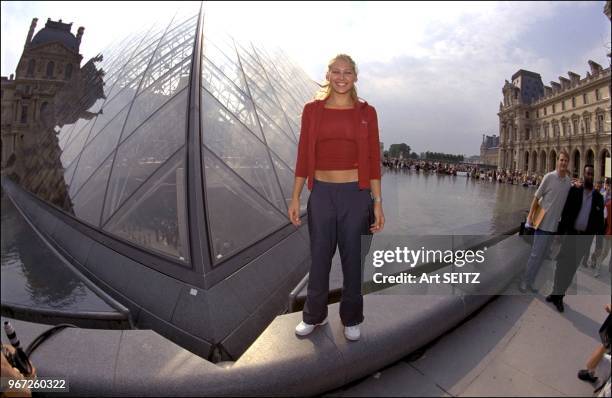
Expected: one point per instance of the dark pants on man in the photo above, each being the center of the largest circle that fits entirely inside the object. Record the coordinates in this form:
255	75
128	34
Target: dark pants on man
574	248
338	215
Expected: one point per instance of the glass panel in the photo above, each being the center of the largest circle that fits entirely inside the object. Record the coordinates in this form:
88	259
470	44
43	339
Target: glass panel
95	152
87	204
76	145
295	126
155	217
278	142
239	149
123	98
286	178
281	86
69	173
109	114
294	78
235	100
133	71
146	150
265	102
175	48
225	60
64	134
237	215
158	94
252	68
76	128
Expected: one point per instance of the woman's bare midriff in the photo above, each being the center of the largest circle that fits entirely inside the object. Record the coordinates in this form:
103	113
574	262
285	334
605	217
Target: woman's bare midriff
337	175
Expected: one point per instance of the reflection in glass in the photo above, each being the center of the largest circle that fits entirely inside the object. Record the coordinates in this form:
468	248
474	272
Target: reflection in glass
96	151
155	216
134	69
32	275
264	101
286	178
112	145
64	133
176	47
234	99
76	145
237	215
87	203
146	150
231	141
277	140
156	95
40	165
227	65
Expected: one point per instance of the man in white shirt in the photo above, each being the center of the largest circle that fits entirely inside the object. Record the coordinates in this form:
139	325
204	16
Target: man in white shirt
550	197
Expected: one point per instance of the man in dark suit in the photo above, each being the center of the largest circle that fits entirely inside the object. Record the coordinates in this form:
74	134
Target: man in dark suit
582	218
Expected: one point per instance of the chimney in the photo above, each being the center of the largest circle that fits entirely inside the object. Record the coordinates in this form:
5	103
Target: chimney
30	32
595	68
12	76
547	90
79	36
565	83
574	77
483	138
555	87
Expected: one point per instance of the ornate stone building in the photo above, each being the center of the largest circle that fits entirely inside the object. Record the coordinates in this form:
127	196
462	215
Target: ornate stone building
537	121
49	60
49	89
489	150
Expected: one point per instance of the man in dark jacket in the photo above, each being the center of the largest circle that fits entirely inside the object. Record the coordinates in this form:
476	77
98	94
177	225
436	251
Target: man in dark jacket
582	218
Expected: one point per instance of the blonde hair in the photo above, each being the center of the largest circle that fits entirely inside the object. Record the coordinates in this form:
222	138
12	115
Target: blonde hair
325	91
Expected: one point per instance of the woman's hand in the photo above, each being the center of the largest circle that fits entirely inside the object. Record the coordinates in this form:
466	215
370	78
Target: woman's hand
294	212
379	222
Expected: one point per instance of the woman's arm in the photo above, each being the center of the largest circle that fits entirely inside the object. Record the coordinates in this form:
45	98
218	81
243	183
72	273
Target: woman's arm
375	175
294	207
379	222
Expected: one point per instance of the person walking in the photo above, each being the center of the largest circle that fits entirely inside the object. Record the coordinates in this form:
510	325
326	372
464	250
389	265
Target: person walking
339	155
582	218
588	374
544	216
603	245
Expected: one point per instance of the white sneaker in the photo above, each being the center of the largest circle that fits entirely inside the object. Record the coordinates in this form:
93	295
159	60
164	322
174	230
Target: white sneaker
352	332
304	329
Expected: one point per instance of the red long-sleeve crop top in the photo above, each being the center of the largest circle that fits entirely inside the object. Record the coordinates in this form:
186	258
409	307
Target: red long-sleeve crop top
336	147
365	132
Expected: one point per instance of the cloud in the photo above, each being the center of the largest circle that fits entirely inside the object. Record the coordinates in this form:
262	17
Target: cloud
433	70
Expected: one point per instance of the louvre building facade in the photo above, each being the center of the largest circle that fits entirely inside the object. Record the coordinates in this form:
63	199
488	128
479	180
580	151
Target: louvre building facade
163	169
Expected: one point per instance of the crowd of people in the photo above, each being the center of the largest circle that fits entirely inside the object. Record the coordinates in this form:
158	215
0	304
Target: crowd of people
471	171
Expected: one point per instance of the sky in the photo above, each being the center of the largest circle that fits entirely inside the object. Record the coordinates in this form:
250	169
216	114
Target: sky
433	70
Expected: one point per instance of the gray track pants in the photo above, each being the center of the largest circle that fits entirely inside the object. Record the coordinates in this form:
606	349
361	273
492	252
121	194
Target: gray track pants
338	214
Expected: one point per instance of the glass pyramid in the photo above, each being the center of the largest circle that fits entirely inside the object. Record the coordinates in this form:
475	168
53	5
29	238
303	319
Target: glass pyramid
125	156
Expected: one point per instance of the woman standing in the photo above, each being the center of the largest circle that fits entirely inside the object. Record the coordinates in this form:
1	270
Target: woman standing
339	155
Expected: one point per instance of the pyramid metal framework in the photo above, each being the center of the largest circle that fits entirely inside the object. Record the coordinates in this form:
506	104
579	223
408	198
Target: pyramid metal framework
191	154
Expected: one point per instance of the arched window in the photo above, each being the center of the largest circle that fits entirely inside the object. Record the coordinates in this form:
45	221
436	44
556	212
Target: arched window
31	66
50	68
68	72
600	123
